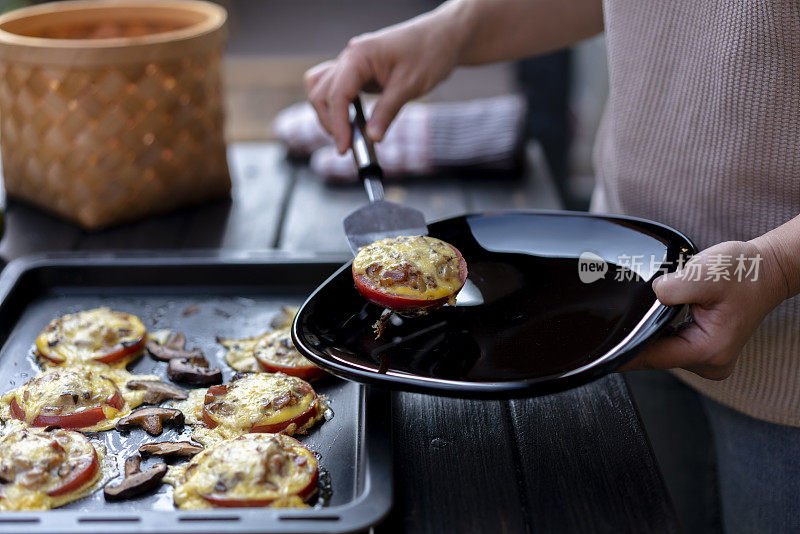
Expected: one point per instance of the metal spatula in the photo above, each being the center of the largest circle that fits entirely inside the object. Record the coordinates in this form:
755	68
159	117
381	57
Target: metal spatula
379	219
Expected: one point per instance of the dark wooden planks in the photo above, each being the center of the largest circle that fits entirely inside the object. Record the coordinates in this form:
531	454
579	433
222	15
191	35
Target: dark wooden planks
159	232
29	230
262	179
437	197
315	210
454	467
586	463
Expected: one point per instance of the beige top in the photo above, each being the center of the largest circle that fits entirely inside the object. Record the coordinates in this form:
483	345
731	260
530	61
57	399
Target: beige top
702	132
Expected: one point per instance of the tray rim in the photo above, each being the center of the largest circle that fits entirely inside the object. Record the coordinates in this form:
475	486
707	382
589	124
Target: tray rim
369	507
659	315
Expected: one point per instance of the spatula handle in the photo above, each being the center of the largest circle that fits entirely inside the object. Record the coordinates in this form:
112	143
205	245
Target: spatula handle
369	170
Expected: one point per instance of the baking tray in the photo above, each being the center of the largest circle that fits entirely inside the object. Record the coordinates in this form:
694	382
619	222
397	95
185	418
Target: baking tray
236	295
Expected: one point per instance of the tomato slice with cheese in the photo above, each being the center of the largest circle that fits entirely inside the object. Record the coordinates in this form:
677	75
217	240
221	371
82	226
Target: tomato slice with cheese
276	353
262	402
83	467
42	469
409	273
98	335
253	470
76	398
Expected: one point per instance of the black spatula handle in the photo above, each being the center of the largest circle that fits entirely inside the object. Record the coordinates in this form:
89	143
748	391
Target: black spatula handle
369	170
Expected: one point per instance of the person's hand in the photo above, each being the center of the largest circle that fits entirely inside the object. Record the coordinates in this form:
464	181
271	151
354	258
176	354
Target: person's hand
402	62
725	311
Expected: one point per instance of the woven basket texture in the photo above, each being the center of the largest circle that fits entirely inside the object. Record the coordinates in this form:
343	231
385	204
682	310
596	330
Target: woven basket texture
103	144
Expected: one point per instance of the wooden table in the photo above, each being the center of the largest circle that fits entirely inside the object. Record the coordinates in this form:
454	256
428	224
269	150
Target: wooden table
577	461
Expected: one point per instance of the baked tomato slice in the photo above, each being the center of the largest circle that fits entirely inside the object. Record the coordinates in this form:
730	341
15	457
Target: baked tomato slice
100	335
409	273
81	419
298	420
276	353
84	469
84	418
275	468
223	501
122	350
274	400
212	395
306	372
47	462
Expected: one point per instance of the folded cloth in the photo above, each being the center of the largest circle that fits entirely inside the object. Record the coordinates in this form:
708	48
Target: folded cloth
424	138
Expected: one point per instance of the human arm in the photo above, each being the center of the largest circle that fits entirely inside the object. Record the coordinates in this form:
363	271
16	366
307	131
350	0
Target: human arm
407	60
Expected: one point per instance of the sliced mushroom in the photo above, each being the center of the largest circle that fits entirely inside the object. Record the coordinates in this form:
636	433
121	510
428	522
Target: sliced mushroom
182	449
157	391
133	464
194	371
176	341
174	347
151	419
135	481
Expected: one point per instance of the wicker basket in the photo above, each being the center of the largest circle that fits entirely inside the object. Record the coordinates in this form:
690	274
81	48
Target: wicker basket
111	110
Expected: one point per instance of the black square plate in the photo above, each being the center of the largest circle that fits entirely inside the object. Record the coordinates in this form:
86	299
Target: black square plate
553	300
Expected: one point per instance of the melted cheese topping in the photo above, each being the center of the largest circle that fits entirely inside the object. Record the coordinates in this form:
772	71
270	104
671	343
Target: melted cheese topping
253	400
64	391
419	267
192	407
273	469
278	348
34	462
240	355
85	336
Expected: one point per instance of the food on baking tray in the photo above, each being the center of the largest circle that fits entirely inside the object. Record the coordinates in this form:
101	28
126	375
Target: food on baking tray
273	352
240	352
276	353
98	335
246	457
172	346
156	391
84	397
152	419
170	449
42	469
256	402
409	272
193	371
253	470
135	481
185	366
